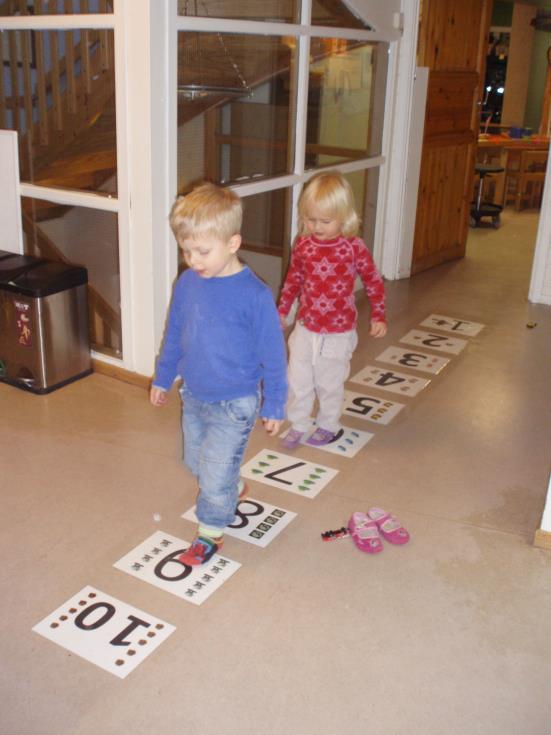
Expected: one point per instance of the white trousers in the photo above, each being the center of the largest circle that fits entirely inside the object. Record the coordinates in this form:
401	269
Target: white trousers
319	365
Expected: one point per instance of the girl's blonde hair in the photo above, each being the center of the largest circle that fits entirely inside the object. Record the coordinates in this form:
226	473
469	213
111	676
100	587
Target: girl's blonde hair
332	194
207	210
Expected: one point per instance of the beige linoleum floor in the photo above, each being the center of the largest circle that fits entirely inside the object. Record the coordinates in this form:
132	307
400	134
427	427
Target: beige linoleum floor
448	635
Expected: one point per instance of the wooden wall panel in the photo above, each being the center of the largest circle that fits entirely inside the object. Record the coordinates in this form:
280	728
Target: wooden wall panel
446	38
452	43
451	95
440	221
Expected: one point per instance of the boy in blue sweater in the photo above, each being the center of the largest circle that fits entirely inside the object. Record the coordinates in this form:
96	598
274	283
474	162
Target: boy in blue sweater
223	338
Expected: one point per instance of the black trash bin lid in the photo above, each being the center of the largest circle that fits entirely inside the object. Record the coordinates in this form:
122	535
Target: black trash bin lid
12	265
47	278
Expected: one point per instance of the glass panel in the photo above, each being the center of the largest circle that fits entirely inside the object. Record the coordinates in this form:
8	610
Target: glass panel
365	185
275	11
235	107
55	7
59	94
345	101
336	14
85	237
266	227
494	83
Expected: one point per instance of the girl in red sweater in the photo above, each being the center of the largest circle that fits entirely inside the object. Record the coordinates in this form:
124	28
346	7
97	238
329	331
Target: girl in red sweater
325	260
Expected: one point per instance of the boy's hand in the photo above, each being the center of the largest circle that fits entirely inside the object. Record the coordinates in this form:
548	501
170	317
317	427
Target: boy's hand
272	426
378	329
158	396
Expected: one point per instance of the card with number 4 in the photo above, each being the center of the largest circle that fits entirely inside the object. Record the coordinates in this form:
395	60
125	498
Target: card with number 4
406	385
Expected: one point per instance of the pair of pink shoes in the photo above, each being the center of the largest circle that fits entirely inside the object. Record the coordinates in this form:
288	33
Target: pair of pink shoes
366	530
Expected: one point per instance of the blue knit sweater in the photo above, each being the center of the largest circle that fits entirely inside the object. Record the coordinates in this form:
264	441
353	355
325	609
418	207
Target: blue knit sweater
223	337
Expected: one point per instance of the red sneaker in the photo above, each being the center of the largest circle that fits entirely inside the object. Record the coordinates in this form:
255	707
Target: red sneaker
201	550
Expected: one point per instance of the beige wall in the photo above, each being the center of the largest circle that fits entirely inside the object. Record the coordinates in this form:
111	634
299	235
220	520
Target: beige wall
518	65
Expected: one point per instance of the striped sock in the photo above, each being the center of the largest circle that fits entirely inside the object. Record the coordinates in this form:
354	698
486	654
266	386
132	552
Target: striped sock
215	534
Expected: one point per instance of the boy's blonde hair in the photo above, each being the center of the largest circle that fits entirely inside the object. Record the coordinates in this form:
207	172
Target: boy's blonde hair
208	210
332	194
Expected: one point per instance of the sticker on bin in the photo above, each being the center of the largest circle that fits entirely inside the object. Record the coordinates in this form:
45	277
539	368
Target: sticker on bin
23	323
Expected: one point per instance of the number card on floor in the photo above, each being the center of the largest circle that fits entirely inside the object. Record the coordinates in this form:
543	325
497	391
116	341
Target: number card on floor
155	561
421	361
436	342
449	324
370	408
390	380
288	473
346	443
105	631
256	522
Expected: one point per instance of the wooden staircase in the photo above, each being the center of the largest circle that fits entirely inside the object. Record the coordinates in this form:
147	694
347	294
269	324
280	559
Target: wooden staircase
64	112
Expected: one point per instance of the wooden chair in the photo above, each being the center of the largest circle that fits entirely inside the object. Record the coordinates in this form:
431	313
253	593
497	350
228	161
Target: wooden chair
531	178
512	176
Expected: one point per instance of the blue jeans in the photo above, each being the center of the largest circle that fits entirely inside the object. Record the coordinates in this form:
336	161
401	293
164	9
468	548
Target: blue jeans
215	439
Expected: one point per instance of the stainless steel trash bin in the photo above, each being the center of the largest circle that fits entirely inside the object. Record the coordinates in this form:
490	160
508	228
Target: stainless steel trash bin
43	323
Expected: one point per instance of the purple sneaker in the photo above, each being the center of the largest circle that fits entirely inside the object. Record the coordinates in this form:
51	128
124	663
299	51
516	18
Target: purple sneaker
292	439
320	437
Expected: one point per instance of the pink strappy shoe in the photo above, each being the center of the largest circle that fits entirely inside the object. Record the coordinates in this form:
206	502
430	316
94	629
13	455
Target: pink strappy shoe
365	533
390	527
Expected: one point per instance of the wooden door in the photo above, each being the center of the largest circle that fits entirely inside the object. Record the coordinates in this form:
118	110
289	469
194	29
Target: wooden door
452	44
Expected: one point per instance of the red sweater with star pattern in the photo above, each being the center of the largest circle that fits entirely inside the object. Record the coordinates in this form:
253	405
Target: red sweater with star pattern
322	274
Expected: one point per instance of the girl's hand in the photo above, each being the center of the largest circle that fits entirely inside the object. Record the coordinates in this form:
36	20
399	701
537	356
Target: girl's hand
283	322
378	329
272	426
158	396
